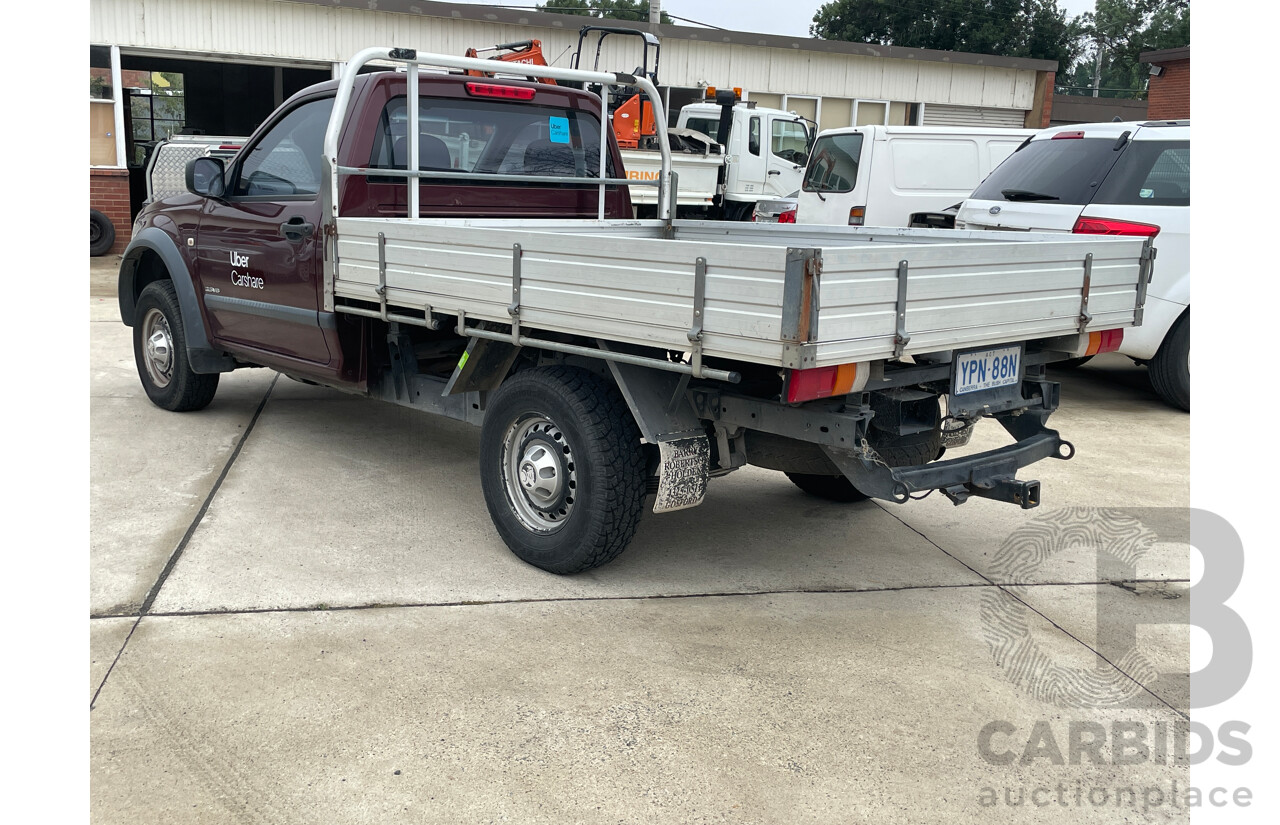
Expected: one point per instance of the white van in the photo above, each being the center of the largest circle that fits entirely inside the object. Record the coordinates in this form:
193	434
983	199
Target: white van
899	175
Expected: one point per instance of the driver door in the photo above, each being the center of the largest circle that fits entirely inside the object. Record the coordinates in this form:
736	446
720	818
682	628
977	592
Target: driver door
259	249
788	153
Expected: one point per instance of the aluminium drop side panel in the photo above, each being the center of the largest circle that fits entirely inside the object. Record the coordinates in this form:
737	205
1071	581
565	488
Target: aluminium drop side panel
621	281
698	176
632	289
967	295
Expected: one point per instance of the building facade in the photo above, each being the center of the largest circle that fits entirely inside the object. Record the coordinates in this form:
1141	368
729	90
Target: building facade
221	66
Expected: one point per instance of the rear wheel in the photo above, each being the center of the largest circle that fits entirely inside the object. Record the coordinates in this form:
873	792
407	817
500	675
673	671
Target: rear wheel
903	451
1170	369
562	468
160	352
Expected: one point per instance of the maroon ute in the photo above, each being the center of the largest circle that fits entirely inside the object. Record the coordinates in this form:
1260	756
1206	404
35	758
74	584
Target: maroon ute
192	321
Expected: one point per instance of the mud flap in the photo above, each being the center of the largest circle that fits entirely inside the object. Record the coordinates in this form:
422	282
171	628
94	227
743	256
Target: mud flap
683	474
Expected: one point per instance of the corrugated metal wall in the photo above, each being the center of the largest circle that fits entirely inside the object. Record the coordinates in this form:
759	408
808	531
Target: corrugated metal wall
256	30
942	115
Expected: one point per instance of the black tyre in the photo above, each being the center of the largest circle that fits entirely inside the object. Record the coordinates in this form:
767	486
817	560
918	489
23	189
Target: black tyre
906	451
562	468
160	351
1170	370
102	233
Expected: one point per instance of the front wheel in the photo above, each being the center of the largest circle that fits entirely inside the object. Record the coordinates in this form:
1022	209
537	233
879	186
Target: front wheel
160	351
562	468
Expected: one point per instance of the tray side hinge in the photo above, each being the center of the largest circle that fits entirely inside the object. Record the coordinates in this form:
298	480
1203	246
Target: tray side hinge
900	336
1145	271
1085	317
699	307
382	274
513	309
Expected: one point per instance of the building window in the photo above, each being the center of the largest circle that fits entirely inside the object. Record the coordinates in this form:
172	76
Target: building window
102	114
157	109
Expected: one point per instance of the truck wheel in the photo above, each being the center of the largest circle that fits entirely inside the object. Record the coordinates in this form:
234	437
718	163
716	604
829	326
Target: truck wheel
102	234
562	468
160	350
906	451
1170	370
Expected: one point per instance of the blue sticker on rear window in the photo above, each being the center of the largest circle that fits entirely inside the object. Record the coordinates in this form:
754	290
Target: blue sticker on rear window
559	129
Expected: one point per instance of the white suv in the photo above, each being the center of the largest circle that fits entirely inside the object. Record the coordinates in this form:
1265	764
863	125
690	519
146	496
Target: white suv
1110	179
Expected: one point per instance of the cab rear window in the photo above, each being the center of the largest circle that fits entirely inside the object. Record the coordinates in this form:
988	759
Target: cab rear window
492	137
1051	171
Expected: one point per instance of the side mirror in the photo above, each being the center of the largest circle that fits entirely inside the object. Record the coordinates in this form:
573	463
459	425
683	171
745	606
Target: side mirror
205	177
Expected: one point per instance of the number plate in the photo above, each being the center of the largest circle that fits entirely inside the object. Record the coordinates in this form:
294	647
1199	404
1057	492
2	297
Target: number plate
986	369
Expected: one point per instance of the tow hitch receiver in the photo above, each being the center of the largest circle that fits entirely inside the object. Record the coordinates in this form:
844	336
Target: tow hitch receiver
1026	494
992	474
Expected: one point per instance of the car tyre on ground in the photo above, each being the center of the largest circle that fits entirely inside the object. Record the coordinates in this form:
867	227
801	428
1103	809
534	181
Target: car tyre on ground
160	351
102	234
904	451
1170	369
562	468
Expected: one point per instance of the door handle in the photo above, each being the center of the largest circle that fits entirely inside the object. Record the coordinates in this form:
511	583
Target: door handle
775	172
297	229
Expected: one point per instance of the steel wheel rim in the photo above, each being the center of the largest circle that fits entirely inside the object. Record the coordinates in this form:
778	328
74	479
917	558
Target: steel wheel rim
157	345
538	473
95	231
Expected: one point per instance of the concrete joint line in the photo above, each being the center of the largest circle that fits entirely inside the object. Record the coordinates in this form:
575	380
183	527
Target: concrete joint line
186	537
810	591
1005	587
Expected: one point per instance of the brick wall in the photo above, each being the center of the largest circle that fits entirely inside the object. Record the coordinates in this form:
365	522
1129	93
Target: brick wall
109	194
1046	100
1169	95
1041	110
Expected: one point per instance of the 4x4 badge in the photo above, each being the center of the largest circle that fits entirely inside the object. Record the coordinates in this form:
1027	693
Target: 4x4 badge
995	210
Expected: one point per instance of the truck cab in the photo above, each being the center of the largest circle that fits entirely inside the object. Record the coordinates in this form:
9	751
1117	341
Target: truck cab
247	259
766	150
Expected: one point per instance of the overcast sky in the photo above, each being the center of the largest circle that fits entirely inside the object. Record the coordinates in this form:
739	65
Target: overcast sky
772	16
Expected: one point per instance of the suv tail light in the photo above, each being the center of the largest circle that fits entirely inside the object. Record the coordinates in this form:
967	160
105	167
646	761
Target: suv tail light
857	215
497	90
788	216
1107	226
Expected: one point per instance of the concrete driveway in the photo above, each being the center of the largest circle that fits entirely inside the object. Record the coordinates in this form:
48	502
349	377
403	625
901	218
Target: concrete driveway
300	612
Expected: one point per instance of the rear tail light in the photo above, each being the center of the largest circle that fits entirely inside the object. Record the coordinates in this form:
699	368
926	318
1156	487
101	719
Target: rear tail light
1106	341
497	90
230	146
1067	136
857	215
788	216
1107	226
825	382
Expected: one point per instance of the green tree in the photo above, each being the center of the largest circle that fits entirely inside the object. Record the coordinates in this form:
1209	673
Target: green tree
1012	28
634	10
1116	33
